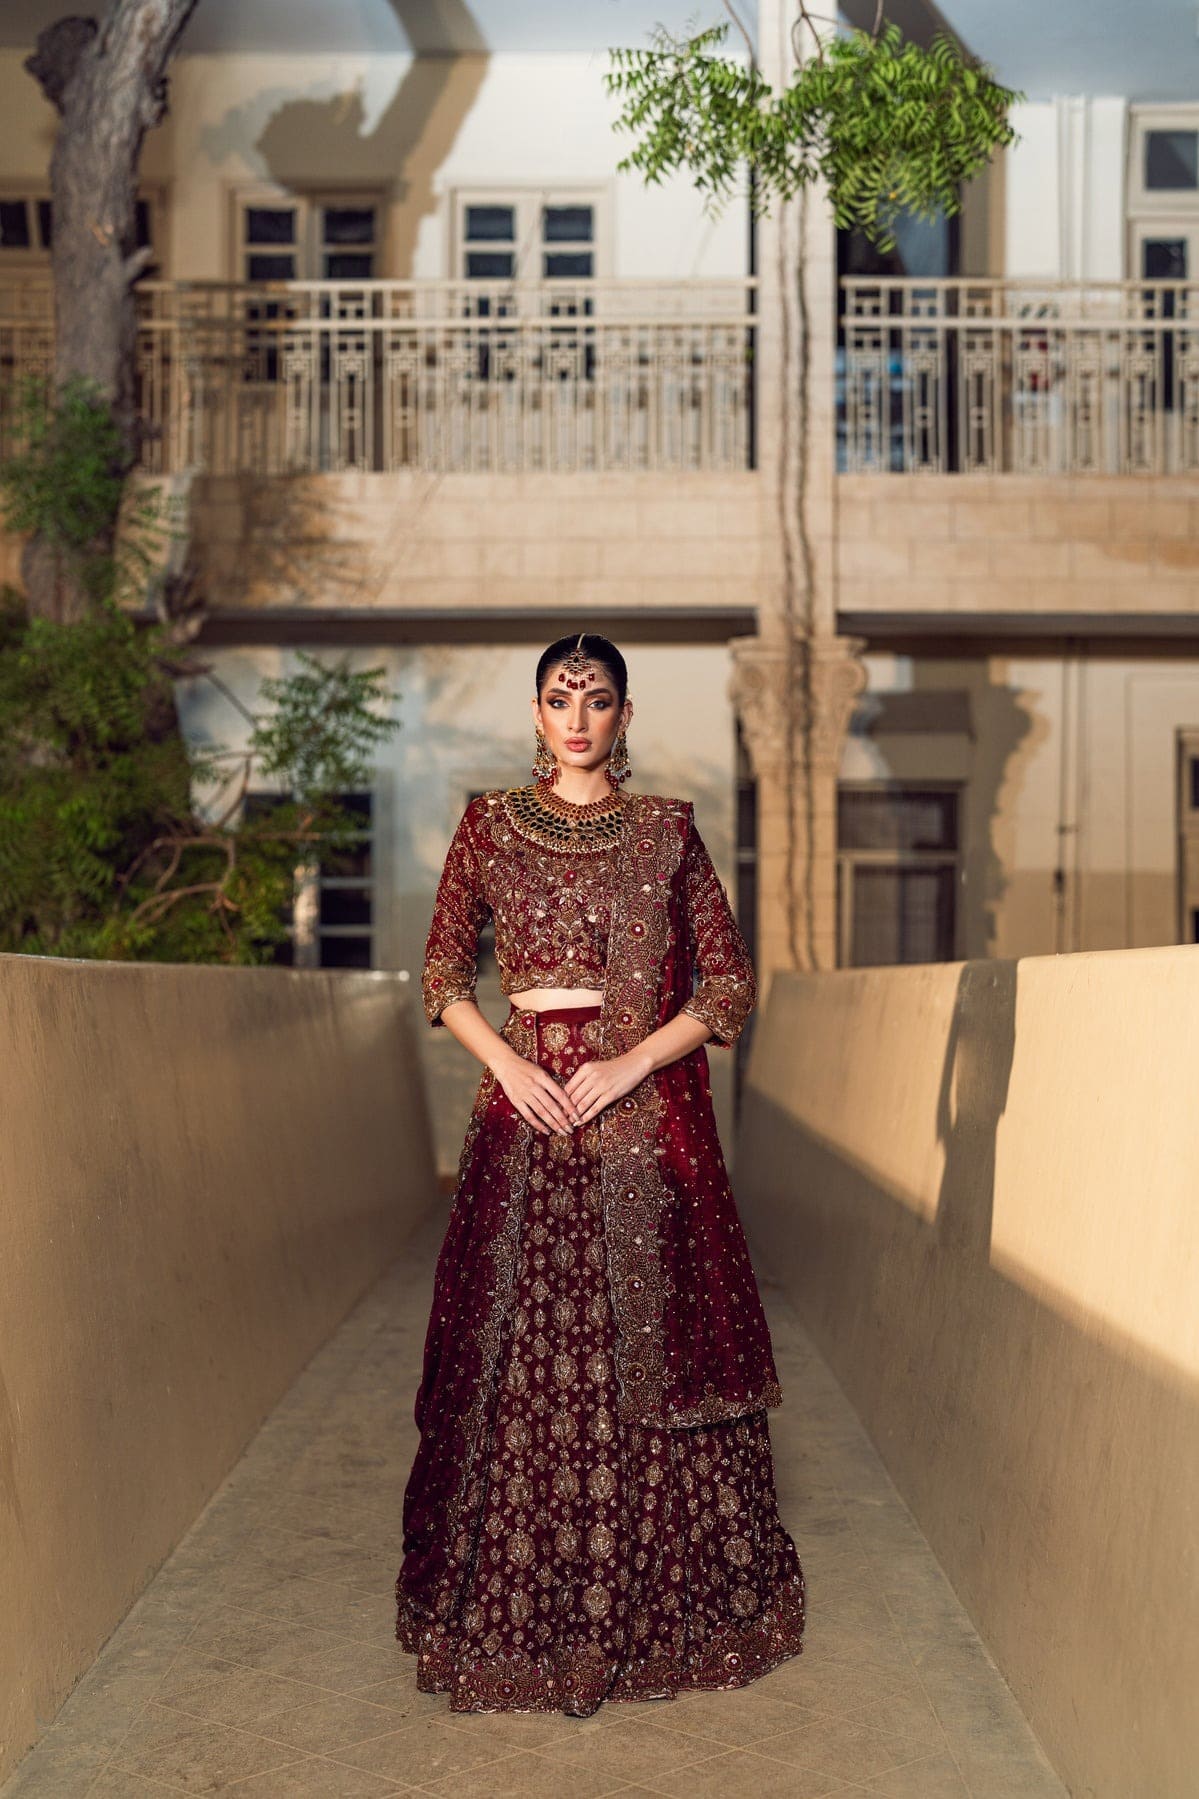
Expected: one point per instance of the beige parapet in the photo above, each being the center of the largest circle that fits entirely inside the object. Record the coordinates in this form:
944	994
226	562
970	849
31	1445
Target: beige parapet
980	1183
201	1170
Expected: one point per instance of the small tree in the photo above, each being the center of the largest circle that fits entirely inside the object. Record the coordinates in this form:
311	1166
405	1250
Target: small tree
103	849
884	127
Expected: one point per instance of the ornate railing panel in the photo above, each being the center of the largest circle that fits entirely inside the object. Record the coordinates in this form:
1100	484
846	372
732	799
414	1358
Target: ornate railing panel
1024	377
301	377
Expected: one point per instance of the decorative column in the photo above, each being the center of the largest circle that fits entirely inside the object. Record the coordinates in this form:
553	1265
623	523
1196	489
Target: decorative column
795	703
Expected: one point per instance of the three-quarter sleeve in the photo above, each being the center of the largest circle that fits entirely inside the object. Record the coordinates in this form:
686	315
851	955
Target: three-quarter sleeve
727	990
459	913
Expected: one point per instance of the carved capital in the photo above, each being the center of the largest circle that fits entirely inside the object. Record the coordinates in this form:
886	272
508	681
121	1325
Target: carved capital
777	688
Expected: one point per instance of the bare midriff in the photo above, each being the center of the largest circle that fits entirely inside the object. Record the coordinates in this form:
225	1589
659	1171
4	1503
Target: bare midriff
549	999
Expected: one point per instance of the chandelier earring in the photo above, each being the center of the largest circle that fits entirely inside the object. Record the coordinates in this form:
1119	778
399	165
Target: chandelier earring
619	768
545	766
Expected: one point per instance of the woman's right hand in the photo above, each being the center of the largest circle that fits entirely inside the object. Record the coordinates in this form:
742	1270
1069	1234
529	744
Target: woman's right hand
536	1095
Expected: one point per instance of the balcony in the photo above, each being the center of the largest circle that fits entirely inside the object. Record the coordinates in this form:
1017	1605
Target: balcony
991	377
388	377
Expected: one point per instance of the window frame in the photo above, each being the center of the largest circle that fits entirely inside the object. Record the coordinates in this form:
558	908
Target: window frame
849	860
307	201
529	201
151	194
1153	203
306	930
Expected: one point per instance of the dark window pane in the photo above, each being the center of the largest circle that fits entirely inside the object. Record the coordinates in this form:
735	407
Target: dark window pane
45	223
14	225
270	268
270	225
1195	925
349	224
489	265
901	915
897	821
568	264
345	905
344	952
1194	772
567	225
352	863
1164	258
263	805
142	223
348	265
1172	159
491	224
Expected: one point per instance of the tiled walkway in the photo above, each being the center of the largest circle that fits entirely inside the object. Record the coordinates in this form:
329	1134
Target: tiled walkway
261	1660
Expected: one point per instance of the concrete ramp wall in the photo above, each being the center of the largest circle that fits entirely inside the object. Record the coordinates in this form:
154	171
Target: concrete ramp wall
201	1171
980	1183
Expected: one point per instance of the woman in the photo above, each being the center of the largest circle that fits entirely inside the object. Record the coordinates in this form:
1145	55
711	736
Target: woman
591	1514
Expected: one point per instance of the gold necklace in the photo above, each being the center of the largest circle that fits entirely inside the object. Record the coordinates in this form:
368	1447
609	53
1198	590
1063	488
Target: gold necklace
543	816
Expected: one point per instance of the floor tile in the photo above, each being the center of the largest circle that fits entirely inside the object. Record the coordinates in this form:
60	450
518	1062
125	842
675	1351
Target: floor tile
842	1747
425	1752
741	1771
262	1659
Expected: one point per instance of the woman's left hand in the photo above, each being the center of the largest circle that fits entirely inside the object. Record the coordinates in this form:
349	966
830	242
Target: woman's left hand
595	1085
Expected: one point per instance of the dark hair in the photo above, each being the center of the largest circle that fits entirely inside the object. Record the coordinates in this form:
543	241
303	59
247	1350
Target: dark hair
597	649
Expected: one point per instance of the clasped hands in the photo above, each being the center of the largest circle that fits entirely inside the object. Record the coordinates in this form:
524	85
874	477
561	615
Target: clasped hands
551	1106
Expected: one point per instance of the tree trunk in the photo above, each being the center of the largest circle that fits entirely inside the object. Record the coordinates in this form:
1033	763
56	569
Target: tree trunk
108	81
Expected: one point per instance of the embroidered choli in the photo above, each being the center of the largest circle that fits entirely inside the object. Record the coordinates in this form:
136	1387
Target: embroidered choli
651	921
552	910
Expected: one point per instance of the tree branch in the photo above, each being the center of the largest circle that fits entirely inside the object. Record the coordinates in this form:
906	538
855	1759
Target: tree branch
739	22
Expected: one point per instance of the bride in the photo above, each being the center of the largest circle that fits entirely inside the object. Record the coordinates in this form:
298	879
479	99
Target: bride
591	1514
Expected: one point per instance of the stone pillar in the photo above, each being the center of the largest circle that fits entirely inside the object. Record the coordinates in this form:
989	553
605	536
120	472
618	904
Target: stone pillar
794	706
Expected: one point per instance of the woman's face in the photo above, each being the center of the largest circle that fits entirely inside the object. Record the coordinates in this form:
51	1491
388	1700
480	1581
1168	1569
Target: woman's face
580	723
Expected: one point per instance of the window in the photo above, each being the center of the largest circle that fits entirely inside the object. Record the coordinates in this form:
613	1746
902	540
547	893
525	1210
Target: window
1163	193
331	918
308	237
1171	161
1188	835
533	236
27	225
898	870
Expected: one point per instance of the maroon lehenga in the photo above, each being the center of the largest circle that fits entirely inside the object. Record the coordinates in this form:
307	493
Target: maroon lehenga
591	1514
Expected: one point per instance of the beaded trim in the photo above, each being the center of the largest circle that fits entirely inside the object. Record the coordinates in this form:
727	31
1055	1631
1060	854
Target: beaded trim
554	824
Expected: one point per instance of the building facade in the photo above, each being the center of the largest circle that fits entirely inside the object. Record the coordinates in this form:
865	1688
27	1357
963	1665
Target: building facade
432	382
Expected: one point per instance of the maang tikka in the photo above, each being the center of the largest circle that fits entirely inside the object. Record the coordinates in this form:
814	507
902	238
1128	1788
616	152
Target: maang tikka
578	662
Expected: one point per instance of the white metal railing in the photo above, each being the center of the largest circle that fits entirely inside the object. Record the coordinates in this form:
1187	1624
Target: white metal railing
1027	377
297	377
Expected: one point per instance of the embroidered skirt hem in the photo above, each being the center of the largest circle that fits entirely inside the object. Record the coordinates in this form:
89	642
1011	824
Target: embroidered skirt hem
577	1681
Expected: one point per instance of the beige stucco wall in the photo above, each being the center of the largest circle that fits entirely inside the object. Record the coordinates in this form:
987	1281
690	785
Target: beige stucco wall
1071	763
529	542
202	1170
978	1182
1105	544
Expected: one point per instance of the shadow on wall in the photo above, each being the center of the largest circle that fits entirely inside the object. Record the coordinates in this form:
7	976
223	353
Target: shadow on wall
307	140
971	1101
1050	1458
1009	735
979	730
